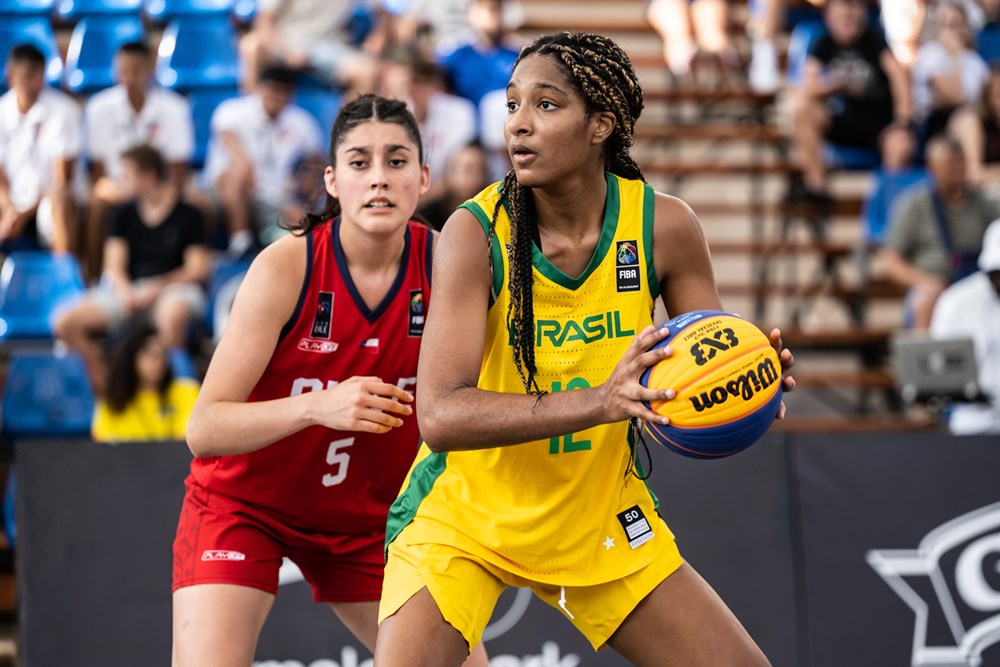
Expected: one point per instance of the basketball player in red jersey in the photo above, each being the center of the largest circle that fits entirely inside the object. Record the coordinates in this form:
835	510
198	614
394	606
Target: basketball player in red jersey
304	428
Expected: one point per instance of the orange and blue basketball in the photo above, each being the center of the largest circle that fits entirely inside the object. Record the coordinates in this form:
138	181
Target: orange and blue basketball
728	382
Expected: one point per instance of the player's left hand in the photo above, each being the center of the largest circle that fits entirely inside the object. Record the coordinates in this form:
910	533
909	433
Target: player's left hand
787	361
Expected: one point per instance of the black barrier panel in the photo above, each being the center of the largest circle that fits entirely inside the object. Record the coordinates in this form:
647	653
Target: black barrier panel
730	517
868	504
95	531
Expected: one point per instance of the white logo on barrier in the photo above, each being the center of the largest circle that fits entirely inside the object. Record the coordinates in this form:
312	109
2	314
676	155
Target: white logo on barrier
219	554
955	559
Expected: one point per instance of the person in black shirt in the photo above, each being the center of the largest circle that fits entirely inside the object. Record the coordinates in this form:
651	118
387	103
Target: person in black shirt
852	90
155	258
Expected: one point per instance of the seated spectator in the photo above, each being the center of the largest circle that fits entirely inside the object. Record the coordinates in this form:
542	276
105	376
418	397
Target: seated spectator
466	175
136	111
447	122
977	128
695	37
256	141
971	309
852	89
310	36
39	144
155	258
443	24
143	400
484	63
947	73
936	231
895	176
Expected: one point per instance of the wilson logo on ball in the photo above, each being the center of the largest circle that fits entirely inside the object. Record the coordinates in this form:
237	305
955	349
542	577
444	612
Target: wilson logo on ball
713	346
745	386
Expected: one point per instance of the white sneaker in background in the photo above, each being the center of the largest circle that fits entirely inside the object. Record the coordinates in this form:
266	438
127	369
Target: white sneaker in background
764	76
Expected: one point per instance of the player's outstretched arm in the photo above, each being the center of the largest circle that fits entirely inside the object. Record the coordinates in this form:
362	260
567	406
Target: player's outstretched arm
453	413
223	423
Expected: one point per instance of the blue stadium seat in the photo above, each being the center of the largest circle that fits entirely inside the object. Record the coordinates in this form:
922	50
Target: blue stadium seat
203	103
25	8
198	52
92	49
227	273
323	104
46	395
160	11
34	285
73	10
802	37
988	41
36	30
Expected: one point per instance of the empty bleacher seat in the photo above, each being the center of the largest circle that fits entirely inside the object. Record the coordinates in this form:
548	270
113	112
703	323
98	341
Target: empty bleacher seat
73	10
34	286
322	103
46	395
35	30
203	103
198	52
166	10
92	49
25	8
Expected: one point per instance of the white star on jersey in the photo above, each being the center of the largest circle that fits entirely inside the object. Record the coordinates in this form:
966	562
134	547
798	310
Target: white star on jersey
609	543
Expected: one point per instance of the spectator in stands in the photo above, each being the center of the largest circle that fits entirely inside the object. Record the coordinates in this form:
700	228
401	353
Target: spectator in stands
307	35
947	73
155	258
466	175
256	141
977	128
484	63
852	89
695	34
971	309
444	23
136	111
143	400
447	122
936	231
39	144
895	176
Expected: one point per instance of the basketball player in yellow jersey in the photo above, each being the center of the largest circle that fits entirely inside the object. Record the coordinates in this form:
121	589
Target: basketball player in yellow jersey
529	374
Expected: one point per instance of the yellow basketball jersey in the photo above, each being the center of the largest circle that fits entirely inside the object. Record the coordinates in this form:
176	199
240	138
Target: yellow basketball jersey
564	510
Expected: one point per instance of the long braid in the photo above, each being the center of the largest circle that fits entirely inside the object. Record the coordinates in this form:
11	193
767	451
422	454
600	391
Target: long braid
605	77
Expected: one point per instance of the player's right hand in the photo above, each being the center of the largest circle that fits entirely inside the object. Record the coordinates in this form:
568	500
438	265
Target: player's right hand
622	394
360	404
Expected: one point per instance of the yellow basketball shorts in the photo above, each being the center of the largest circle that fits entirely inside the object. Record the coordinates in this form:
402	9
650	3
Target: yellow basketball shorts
466	589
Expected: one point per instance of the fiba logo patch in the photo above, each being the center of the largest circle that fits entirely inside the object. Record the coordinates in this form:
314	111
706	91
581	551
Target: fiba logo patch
416	326
323	315
951	581
627	266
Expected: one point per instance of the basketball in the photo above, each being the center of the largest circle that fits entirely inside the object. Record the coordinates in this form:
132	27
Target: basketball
728	382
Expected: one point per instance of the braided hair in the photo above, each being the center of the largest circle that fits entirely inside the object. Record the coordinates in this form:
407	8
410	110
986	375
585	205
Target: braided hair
603	74
367	108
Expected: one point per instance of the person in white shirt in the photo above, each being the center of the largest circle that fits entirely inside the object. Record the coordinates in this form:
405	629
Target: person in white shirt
306	35
256	142
39	143
136	111
970	308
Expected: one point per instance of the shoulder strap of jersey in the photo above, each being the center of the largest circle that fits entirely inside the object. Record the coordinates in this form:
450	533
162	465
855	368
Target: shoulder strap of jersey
482	206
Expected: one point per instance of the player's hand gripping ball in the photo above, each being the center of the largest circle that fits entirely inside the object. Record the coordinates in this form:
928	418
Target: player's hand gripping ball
728	382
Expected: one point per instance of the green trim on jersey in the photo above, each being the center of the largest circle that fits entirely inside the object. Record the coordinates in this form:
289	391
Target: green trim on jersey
608	228
404	508
485	221
648	220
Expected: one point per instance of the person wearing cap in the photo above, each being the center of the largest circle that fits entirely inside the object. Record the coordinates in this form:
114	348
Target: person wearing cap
256	142
970	308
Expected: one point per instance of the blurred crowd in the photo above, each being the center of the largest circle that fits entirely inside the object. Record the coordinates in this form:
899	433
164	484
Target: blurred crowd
119	178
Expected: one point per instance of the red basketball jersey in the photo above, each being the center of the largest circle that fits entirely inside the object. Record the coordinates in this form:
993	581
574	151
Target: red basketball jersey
320	479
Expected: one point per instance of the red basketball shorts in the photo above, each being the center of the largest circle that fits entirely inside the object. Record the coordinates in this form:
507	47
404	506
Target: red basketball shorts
221	540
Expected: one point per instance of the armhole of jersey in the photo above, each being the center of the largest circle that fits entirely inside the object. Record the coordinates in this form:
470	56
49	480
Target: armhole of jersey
429	255
484	220
648	218
290	324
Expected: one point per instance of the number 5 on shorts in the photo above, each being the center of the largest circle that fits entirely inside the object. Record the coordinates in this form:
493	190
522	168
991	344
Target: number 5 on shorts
339	459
